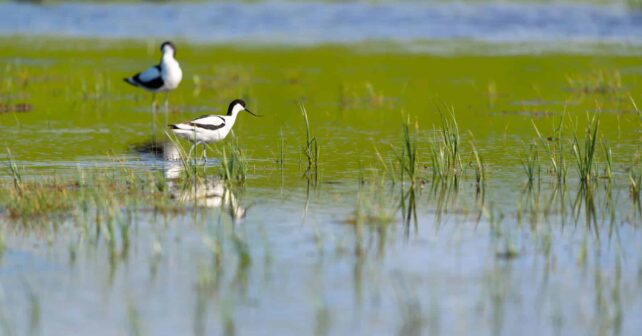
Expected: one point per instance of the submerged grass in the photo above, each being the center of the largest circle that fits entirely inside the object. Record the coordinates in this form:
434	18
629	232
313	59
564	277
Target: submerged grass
42	200
234	165
555	150
480	169
310	146
608	159
601	82
530	164
635	180
408	156
445	148
584	152
233	161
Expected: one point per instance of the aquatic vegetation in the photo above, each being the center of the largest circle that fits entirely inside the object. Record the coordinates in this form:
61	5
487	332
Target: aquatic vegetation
134	320
281	159
14	171
373	204
492	93
608	158
530	164
39	199
601	82
585	153
635	180
310	146
46	199
192	169
445	148
234	165
555	150
408	156
635	106
480	170
366	96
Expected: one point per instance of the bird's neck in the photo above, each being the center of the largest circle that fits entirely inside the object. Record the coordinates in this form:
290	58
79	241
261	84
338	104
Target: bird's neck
167	57
232	118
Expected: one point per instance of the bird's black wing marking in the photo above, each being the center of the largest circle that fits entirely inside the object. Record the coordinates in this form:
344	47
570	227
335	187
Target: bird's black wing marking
207	126
155	83
209	116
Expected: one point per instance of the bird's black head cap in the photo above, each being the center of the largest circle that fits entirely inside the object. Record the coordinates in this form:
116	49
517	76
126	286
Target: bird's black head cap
233	103
168	43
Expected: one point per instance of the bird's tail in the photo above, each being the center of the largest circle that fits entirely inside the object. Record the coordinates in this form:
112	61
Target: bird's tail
130	81
184	131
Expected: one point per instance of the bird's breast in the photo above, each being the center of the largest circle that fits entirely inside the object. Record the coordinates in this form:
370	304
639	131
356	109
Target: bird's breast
172	75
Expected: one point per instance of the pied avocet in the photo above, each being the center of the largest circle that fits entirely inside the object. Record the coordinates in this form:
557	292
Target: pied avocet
164	77
210	128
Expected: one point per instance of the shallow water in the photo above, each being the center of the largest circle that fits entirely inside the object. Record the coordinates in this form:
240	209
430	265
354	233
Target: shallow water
283	254
527	27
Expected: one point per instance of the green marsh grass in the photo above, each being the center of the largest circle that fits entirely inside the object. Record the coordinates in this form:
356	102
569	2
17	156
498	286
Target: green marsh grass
530	164
408	156
446	156
373	203
635	180
408	169
584	153
364	96
14	172
234	164
107	192
281	150
601	82
478	164
608	159
388	166
188	159
233	161
310	146
635	106
555	150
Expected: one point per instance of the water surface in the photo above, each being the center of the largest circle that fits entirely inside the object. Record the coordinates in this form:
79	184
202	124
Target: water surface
518	27
286	252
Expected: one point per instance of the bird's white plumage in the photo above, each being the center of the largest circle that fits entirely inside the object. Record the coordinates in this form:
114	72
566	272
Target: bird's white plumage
164	77
210	128
171	72
213	120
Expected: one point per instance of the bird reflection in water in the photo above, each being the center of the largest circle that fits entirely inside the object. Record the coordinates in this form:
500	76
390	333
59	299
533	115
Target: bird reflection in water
209	192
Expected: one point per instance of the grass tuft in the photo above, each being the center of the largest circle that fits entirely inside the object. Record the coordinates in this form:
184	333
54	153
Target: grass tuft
408	157
585	152
446	156
531	164
554	148
311	146
234	165
600	82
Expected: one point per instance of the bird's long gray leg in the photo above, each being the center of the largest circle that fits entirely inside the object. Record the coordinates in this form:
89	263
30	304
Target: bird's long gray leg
166	106
205	152
154	115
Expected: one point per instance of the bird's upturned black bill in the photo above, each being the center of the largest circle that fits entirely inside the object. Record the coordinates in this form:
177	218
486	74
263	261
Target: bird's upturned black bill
252	113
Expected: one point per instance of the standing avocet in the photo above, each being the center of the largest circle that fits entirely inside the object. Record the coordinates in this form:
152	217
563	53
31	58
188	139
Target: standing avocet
164	77
210	128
